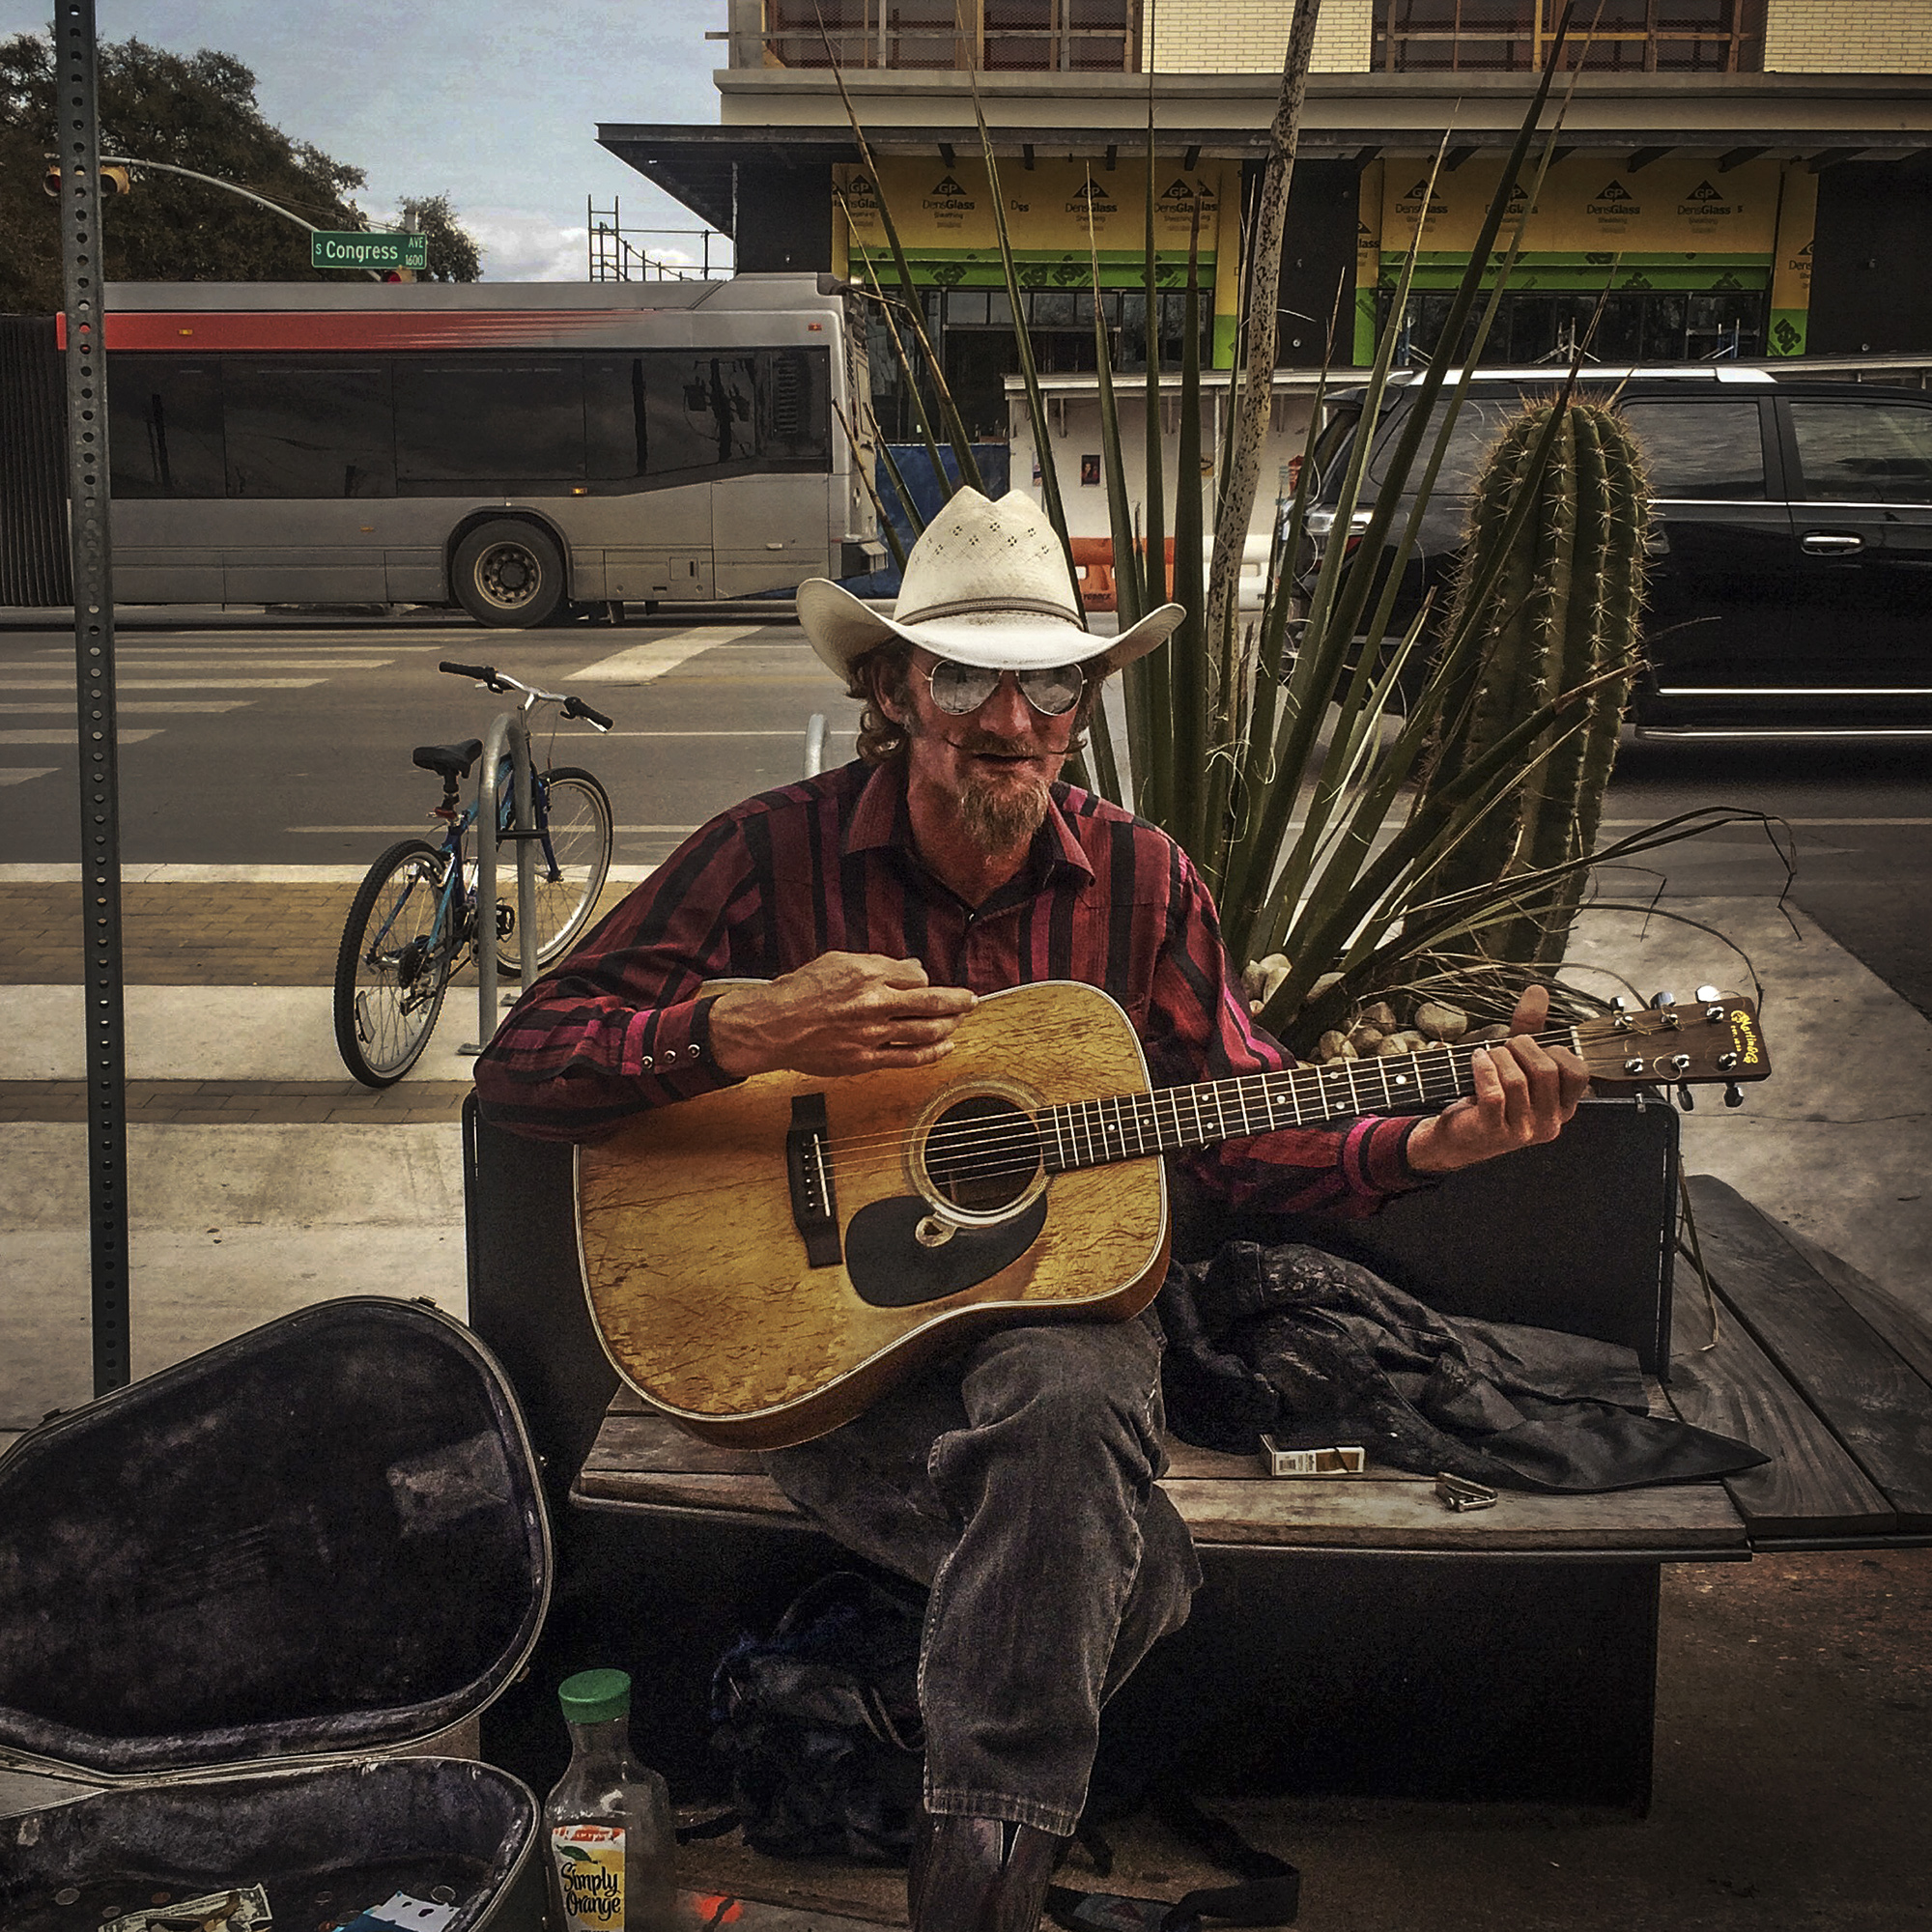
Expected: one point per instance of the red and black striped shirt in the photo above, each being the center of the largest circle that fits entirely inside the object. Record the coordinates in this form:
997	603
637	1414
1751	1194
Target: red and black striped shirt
829	865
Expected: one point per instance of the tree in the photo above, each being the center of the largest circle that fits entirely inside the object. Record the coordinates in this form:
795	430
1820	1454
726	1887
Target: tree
454	255
196	111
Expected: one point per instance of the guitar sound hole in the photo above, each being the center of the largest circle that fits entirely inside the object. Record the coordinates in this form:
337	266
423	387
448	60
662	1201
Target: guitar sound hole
983	1155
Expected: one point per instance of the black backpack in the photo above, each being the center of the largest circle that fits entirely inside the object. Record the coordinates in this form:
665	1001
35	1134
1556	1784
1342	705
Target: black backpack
818	1724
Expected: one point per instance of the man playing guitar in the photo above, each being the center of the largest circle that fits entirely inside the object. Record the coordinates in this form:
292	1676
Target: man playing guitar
1016	1478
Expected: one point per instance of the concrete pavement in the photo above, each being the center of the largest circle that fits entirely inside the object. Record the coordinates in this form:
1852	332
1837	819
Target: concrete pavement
1793	1771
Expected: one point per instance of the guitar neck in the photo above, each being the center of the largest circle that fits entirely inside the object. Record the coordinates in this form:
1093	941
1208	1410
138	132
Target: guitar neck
1129	1127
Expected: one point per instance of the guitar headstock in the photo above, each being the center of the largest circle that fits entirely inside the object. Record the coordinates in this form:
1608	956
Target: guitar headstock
1669	1044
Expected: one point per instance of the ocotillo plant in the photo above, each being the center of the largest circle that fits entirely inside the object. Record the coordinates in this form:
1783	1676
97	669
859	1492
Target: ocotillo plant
1564	614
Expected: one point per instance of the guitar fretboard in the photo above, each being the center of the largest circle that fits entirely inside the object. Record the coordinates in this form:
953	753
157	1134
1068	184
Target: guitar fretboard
1127	1127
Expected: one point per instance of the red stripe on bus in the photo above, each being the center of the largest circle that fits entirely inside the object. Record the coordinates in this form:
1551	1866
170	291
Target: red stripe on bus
355	329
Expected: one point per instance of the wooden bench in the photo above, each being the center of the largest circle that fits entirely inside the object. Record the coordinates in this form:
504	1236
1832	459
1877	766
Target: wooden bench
1355	1633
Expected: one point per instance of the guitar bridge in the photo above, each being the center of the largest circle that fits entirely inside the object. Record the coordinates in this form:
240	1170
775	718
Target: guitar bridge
814	1201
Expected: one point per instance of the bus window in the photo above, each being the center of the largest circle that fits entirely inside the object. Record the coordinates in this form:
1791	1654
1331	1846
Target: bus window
164	415
309	429
613	418
796	414
699	411
490	419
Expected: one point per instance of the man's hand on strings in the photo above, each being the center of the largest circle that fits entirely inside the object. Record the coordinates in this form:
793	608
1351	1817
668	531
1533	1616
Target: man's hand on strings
1524	1093
844	1012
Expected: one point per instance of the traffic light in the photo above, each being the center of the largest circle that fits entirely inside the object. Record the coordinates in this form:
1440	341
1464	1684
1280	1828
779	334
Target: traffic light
114	179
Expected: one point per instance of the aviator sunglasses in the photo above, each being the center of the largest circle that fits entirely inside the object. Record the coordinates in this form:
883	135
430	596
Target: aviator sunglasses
959	689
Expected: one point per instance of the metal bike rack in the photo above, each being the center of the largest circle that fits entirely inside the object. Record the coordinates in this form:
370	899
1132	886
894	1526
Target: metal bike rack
507	731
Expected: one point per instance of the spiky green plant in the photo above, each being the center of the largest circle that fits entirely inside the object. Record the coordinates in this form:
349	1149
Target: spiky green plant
1281	754
1565	615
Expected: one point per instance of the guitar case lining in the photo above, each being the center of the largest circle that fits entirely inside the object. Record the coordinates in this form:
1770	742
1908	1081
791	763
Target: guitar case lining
224	1589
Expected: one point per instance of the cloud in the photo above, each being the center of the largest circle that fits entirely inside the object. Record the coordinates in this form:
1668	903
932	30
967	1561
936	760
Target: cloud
519	246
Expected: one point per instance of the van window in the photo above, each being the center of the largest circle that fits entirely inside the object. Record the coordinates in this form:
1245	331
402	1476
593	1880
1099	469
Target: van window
1864	452
1700	452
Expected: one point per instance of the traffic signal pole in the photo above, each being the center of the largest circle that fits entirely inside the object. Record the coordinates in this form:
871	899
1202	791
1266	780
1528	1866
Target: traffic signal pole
104	1054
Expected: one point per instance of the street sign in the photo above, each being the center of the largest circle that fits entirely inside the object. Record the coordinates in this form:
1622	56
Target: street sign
356	249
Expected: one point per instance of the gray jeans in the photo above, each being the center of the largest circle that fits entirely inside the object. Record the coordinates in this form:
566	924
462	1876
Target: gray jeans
1016	1481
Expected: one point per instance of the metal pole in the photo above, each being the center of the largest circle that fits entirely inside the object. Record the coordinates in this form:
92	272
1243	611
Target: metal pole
105	1052
522	792
507	733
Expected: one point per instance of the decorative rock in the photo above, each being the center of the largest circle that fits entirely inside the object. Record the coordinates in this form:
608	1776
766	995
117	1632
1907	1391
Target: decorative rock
1434	1020
1380	1015
1366	1039
1334	1047
1487	1035
1260	977
1392	1048
1323	984
1408	1041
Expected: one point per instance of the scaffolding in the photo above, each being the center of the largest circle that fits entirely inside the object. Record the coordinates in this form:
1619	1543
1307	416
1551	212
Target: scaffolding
620	254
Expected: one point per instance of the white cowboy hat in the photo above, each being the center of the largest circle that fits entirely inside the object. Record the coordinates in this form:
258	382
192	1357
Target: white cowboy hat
985	584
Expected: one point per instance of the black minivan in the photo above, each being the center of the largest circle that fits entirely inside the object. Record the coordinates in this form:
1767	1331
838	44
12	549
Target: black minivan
1790	587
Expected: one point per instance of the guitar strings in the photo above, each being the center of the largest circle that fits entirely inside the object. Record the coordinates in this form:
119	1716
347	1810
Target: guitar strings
1304	1082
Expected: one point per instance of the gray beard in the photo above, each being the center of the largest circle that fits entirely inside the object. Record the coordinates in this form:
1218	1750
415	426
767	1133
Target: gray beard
997	821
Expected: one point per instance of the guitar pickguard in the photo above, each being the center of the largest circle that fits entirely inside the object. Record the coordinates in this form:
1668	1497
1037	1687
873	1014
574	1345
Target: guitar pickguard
890	1266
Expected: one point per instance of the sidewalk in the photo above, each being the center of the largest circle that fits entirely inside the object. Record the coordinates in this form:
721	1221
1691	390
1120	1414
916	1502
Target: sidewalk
1794	1774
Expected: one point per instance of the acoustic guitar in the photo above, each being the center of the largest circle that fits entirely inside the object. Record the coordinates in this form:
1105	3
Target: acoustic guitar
763	1261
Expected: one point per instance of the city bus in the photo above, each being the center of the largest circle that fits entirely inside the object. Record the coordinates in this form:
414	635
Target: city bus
516	449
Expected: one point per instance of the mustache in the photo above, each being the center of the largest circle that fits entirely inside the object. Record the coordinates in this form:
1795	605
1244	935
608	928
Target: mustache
995	744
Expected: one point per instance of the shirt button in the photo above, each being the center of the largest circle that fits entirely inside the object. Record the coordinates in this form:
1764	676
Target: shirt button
646	1059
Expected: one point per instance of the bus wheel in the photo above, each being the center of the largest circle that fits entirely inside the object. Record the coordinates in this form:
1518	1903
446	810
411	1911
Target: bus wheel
508	575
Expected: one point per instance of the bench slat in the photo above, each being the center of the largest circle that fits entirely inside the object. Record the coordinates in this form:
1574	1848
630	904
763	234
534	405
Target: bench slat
645	1463
1812	1487
1858	1383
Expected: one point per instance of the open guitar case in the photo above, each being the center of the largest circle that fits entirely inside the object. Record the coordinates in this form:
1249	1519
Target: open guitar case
230	1592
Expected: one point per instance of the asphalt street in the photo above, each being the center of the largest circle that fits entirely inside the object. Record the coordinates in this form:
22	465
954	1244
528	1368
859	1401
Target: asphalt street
285	741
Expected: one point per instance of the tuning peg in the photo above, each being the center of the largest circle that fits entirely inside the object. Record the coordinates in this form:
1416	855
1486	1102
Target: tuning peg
1660	1000
1706	994
1734	1094
1683	1098
1621	1001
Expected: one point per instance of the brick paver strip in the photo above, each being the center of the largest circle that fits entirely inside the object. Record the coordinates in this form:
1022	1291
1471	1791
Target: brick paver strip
215	1103
190	935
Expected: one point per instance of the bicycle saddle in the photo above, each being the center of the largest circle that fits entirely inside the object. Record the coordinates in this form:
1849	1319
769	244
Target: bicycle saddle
449	761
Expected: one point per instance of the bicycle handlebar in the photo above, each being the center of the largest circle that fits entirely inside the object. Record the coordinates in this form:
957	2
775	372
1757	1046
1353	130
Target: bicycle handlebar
495	680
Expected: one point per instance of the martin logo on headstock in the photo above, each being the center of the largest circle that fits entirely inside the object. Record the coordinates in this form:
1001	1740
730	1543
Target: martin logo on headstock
1716	1036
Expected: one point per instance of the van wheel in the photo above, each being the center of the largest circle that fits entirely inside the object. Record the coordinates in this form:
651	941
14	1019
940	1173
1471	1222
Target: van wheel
508	575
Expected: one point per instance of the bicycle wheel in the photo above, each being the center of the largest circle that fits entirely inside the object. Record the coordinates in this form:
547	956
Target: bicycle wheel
573	862
392	967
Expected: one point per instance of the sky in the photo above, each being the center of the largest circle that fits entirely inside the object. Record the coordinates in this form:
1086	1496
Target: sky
492	103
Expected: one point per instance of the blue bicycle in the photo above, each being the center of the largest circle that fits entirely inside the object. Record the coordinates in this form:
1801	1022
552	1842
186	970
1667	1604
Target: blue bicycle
414	920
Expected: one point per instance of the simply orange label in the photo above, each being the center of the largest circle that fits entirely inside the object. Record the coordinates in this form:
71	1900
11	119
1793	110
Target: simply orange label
590	1875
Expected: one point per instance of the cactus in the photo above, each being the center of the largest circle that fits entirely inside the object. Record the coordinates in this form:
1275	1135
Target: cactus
1565	608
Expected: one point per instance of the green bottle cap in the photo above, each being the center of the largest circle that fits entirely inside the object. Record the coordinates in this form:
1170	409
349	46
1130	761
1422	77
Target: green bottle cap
594	1696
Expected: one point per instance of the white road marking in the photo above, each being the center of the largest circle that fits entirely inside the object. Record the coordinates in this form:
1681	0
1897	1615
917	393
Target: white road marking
69	737
642	662
13	775
7	684
269	661
195	707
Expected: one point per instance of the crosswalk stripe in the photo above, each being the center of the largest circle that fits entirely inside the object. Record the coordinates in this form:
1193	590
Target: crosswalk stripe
7	684
69	737
195	707
275	662
639	664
